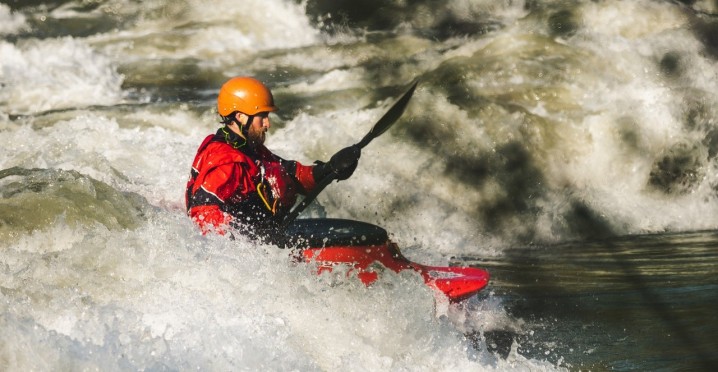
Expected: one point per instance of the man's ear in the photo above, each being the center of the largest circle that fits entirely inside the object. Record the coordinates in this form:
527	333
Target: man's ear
241	118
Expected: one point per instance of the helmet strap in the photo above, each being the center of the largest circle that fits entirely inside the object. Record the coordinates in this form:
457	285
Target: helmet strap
245	128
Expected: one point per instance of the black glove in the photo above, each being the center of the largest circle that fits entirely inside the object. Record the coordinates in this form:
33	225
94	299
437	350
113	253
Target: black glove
342	164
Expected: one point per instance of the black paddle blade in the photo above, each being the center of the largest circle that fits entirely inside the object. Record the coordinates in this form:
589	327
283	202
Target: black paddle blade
390	117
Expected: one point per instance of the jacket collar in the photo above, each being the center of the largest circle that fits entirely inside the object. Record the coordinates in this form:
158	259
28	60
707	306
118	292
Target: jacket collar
227	136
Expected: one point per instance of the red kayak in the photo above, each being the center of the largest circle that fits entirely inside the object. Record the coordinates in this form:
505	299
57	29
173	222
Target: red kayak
366	248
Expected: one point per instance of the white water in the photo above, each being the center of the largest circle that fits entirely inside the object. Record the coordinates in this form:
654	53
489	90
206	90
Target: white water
117	278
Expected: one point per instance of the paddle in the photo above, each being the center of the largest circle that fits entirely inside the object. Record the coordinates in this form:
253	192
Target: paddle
381	126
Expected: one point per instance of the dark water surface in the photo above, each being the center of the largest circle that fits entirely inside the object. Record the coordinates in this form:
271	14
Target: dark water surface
634	303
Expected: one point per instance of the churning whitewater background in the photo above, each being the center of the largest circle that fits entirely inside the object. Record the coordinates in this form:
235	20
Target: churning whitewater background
535	123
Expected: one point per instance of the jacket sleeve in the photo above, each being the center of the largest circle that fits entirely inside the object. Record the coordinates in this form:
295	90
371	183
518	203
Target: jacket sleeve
305	176
207	202
210	218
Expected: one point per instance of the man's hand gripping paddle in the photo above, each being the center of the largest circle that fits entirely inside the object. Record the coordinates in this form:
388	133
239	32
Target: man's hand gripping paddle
379	128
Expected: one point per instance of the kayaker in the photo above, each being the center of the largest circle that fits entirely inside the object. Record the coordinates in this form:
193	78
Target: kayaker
236	182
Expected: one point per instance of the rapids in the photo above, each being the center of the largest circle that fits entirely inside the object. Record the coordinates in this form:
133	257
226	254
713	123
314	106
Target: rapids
569	147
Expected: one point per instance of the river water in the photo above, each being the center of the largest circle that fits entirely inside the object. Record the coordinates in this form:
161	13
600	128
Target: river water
568	147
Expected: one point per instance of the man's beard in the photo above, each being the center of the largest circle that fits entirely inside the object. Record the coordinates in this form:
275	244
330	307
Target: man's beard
257	138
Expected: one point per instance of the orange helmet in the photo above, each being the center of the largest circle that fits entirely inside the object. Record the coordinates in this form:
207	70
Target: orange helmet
246	95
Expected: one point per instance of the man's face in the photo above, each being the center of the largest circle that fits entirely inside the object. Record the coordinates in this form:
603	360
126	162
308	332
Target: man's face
258	128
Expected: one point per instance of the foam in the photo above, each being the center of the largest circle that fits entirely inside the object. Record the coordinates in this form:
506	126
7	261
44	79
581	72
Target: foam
41	75
11	22
162	293
227	34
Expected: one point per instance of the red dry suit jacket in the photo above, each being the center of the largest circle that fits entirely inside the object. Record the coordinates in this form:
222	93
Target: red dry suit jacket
249	189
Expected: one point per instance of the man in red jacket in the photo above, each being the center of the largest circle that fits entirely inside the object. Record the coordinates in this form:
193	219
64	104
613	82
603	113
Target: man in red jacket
236	181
